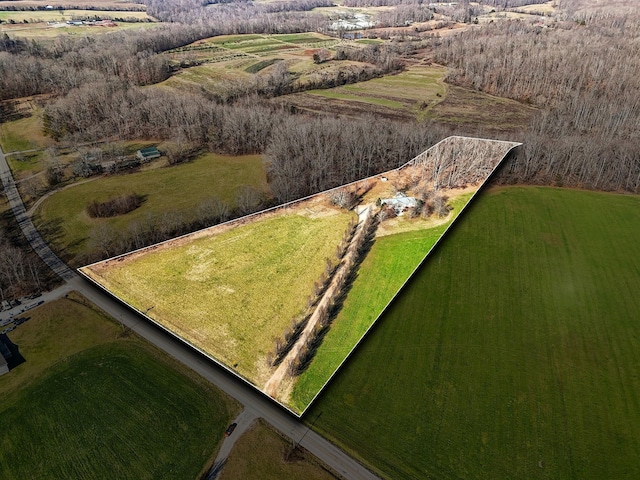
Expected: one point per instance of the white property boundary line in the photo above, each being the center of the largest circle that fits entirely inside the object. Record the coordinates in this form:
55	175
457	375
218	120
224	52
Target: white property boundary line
285	206
386	307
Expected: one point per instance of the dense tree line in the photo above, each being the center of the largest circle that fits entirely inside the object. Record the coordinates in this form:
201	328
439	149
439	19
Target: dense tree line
403	15
584	78
20	268
305	156
238	17
114	206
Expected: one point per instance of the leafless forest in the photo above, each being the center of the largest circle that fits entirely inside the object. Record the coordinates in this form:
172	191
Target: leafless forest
579	67
583	75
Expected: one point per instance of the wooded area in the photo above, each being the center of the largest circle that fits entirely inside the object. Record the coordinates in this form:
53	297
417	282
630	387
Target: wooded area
583	77
580	68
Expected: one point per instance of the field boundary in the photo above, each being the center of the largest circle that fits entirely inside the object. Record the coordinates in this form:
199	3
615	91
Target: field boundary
412	274
284	206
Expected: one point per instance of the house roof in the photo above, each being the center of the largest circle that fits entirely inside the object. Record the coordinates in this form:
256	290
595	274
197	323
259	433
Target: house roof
400	200
149	151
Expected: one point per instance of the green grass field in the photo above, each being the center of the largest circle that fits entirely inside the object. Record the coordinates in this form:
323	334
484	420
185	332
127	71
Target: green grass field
232	293
420	92
229	59
174	189
387	266
260	453
90	402
513	353
416	85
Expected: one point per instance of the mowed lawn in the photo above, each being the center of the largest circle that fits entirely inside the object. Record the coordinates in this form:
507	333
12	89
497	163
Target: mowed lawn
232	293
387	266
513	353
173	190
93	402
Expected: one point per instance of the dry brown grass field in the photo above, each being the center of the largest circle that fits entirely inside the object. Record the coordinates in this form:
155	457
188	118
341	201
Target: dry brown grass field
231	291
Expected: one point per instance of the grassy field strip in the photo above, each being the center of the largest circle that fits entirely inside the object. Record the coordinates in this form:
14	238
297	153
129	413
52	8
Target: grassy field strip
42	31
356	98
512	353
376	288
401	91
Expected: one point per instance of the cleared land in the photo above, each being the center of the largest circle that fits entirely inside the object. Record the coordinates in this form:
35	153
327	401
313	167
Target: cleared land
102	397
44	31
178	189
25	133
513	353
80	4
419	92
230	292
262	453
221	64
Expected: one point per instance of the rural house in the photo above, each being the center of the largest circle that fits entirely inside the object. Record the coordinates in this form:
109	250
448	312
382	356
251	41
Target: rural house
147	154
400	203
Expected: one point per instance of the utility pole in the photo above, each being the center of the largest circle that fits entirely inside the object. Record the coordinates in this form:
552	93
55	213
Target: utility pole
306	431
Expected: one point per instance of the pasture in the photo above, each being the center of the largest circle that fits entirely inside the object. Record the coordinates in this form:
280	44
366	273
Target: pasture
24	133
419	92
222	63
263	453
45	32
103	397
417	88
231	291
119	5
512	353
177	190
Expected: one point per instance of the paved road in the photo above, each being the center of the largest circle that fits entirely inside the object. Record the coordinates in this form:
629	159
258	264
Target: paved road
255	402
27	227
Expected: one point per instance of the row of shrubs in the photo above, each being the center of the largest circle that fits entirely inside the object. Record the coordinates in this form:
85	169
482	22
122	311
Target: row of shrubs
283	344
114	206
344	280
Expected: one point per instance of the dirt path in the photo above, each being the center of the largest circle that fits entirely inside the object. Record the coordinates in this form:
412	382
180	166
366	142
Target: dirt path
273	384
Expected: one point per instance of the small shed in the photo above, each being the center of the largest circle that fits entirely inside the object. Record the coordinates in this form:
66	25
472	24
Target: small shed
147	154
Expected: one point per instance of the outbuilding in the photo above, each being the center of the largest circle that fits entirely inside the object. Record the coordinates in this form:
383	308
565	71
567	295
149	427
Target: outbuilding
147	154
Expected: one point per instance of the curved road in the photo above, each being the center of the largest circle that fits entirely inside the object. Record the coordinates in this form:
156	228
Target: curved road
254	401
